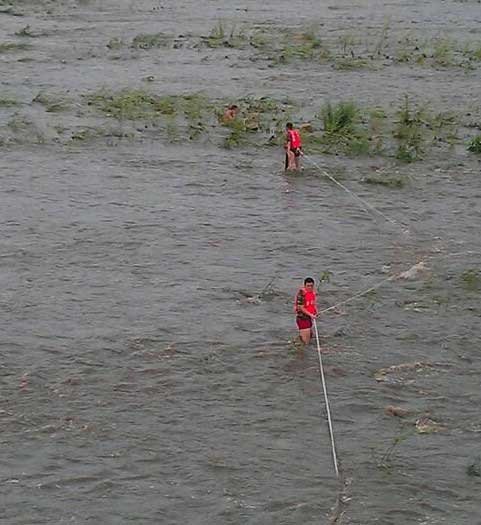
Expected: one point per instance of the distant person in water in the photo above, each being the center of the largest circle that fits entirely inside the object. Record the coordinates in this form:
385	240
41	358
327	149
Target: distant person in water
293	147
305	308
230	113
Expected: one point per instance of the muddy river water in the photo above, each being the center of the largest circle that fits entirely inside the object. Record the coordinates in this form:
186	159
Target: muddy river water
147	366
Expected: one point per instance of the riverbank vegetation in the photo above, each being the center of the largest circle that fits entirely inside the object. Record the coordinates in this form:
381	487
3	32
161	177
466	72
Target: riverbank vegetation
343	50
406	131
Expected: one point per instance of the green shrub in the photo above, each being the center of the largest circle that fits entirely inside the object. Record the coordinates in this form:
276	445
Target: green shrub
409	132
475	144
340	119
149	41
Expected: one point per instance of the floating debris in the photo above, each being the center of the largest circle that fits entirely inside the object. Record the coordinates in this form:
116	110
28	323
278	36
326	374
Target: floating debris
392	410
414	271
383	374
426	425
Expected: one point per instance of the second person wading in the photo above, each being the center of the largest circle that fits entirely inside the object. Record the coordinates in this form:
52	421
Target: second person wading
305	307
293	147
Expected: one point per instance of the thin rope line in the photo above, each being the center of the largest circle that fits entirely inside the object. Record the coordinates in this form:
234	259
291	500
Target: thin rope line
328	410
366	206
360	294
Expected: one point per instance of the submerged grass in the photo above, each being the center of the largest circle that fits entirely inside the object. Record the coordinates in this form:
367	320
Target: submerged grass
10	47
149	41
52	103
382	180
474	145
340	119
220	36
6	102
409	132
133	104
471	280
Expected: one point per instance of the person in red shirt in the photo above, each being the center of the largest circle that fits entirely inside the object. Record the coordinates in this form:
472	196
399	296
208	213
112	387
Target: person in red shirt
293	147
306	309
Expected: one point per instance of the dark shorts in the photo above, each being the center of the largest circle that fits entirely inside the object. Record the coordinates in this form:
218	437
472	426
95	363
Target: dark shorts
303	324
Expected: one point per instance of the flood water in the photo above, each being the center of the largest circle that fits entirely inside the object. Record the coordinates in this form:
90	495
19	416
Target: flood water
147	369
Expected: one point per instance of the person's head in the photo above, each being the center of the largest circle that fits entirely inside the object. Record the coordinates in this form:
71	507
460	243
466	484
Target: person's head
289	125
308	282
233	107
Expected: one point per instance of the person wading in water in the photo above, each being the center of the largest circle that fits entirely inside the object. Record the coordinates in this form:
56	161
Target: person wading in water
293	147
305	308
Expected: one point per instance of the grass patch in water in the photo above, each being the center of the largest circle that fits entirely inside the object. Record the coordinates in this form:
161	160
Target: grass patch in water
474	52
84	134
306	45
237	136
340	119
187	112
6	102
409	132
257	115
444	126
115	43
471	280
260	40
443	52
474	145
219	36
150	41
389	182
343	131
132	104
10	47
351	63
51	103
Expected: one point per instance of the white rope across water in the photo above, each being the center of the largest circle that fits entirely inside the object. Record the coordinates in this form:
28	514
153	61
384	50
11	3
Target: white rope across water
326	399
365	205
412	271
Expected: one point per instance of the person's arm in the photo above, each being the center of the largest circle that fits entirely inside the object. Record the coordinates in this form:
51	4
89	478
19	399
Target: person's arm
300	305
304	311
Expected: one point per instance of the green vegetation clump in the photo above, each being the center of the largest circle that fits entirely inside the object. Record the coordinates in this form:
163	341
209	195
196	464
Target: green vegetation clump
237	136
257	115
343	130
443	52
149	41
187	111
115	43
305	45
7	47
220	37
389	182
471	280
51	103
409	132
6	102
444	126
351	63
132	104
474	145
340	119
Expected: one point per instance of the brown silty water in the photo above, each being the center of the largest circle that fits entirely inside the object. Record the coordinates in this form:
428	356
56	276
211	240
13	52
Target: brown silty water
149	261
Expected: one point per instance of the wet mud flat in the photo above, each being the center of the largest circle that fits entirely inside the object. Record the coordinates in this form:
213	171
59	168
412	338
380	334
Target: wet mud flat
150	253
